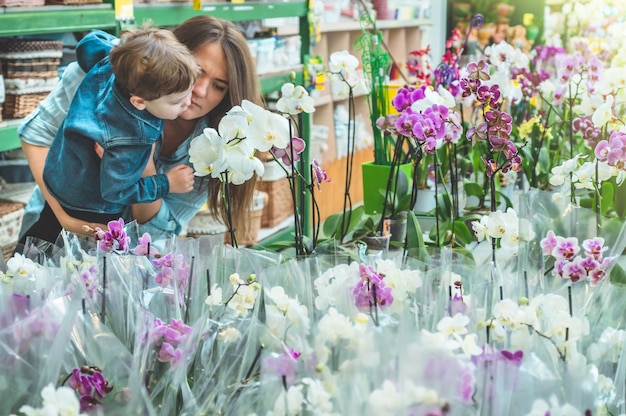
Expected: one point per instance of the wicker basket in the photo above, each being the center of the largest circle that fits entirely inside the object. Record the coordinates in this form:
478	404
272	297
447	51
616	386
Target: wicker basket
21	3
251	237
279	206
30	48
11	214
19	106
30	58
31	67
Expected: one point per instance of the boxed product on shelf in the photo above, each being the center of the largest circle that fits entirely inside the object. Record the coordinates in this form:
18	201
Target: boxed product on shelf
265	55
30	70
293	46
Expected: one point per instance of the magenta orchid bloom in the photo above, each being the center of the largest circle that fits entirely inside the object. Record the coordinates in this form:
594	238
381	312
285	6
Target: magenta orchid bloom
114	238
319	174
296	145
569	264
371	290
145	241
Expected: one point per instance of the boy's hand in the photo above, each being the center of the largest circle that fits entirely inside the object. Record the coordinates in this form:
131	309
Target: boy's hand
181	179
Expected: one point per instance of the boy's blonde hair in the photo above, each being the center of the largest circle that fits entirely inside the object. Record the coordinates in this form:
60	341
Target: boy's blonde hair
150	62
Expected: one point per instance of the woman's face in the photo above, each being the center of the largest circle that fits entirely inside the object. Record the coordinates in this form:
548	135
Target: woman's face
212	84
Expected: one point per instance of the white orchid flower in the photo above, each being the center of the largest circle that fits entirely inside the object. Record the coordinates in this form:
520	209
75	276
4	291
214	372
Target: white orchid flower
295	100
266	129
604	113
234	125
20	266
242	164
456	324
342	61
206	154
59	401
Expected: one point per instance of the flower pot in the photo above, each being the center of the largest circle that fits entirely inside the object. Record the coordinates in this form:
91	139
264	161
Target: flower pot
425	201
397	229
375	179
377	246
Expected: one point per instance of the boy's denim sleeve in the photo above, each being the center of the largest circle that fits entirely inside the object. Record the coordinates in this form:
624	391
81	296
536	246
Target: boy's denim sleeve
93	48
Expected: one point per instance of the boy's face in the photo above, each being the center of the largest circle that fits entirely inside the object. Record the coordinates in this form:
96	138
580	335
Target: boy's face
168	107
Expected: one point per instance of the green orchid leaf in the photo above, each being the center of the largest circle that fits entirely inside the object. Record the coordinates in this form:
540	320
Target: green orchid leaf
444	205
619	200
462	232
331	225
416	248
544	160
473	189
606	201
618	276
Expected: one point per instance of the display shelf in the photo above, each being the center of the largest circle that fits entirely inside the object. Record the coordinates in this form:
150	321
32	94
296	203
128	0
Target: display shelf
400	37
347	25
271	82
172	14
16	21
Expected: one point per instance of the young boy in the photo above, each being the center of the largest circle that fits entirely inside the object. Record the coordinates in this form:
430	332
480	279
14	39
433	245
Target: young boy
119	106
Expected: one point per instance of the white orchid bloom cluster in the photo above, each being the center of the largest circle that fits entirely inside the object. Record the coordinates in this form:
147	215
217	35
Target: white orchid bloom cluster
61	401
453	336
345	344
231	148
403	283
19	266
506	227
243	298
285	313
503	57
23	275
608	347
393	398
345	76
309	396
582	176
547	314
295	99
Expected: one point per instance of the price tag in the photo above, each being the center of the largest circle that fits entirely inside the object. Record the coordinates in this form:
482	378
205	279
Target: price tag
124	10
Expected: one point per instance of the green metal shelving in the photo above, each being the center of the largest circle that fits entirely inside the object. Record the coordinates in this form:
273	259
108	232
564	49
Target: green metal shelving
56	19
170	15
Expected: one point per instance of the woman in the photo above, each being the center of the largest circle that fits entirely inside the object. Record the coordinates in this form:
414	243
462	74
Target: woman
228	76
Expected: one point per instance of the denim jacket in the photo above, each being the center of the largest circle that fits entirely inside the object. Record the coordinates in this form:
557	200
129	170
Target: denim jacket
100	113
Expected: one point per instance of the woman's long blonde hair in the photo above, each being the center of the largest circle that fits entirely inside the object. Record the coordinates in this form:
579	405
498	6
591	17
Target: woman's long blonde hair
243	83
